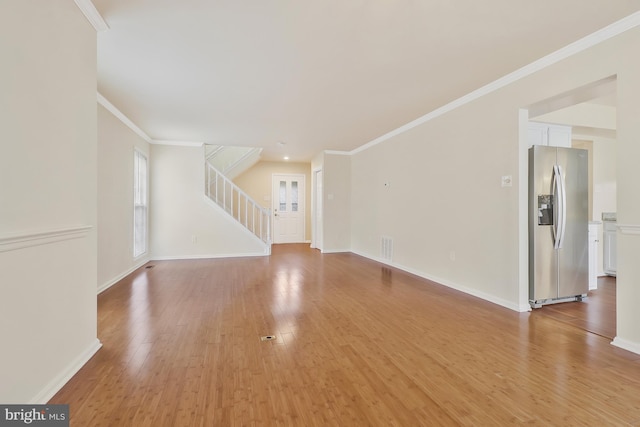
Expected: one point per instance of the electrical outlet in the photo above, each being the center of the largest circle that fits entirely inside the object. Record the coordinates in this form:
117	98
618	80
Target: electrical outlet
452	255
507	181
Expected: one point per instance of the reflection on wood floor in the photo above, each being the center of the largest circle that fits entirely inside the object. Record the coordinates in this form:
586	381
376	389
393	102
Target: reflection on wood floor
596	314
357	343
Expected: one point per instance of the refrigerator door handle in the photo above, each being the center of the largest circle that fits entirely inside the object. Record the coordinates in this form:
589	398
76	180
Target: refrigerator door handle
560	211
556	203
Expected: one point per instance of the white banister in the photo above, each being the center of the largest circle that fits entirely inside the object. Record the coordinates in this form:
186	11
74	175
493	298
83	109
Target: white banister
229	201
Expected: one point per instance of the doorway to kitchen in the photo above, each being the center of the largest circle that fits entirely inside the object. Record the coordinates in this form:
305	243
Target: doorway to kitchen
589	113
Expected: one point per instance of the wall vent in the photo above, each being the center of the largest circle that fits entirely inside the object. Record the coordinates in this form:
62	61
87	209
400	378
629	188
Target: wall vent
386	248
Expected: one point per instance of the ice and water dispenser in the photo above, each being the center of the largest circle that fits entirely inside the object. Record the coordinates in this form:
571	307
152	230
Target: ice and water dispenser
545	209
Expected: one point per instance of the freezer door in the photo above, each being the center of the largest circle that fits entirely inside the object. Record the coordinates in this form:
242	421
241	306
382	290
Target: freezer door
543	259
573	256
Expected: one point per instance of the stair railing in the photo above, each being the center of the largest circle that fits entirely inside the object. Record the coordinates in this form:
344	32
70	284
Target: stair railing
238	204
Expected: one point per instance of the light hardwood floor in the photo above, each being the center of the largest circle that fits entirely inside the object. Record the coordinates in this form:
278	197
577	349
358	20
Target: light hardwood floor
357	344
596	314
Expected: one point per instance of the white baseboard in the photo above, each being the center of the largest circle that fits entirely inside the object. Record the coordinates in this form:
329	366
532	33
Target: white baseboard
115	280
335	251
180	257
631	346
63	377
473	292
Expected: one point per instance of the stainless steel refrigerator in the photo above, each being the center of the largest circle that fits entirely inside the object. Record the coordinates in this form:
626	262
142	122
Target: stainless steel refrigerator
558	225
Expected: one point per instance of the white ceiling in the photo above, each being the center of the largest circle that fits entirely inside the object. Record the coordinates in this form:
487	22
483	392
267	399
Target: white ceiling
325	74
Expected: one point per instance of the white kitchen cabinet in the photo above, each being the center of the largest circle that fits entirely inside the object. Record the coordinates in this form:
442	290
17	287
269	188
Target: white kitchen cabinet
549	134
610	247
593	254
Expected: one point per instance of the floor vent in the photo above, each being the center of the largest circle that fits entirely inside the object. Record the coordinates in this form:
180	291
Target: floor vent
386	248
268	338
150	266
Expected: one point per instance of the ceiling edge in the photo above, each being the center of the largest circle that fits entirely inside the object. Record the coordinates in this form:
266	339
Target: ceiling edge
124	119
93	16
612	30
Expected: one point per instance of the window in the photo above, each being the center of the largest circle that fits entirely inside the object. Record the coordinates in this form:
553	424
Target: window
139	204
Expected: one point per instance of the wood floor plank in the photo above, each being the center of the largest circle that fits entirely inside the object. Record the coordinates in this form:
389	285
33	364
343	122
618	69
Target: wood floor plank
357	343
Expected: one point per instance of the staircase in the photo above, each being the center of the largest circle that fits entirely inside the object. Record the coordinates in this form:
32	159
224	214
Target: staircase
221	190
231	161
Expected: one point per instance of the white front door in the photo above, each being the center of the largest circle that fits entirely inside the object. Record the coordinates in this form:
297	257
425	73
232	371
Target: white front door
288	208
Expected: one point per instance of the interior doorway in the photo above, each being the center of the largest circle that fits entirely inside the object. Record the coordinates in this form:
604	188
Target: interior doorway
590	111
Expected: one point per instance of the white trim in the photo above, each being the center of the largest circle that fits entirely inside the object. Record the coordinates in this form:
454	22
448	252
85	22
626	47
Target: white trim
629	228
338	153
207	256
63	377
14	241
177	143
335	251
626	345
90	12
115	280
120	115
523	210
315	241
482	295
584	43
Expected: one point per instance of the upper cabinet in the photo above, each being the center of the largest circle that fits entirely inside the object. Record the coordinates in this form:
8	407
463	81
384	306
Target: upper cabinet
548	134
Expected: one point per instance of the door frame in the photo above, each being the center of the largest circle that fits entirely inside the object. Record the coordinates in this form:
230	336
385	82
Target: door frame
316	208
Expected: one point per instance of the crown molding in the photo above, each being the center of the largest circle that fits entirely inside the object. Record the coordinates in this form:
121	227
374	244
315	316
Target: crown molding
584	43
177	143
93	16
124	119
337	153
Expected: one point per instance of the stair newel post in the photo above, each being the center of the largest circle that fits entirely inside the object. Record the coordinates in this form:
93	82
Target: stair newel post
253	219
224	193
217	181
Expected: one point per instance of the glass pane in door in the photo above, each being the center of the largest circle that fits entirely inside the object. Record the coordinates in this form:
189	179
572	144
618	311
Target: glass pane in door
294	196
282	198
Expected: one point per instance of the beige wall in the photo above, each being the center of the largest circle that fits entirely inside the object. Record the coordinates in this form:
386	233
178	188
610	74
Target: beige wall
116	144
47	197
337	196
256	182
628	202
445	208
183	223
